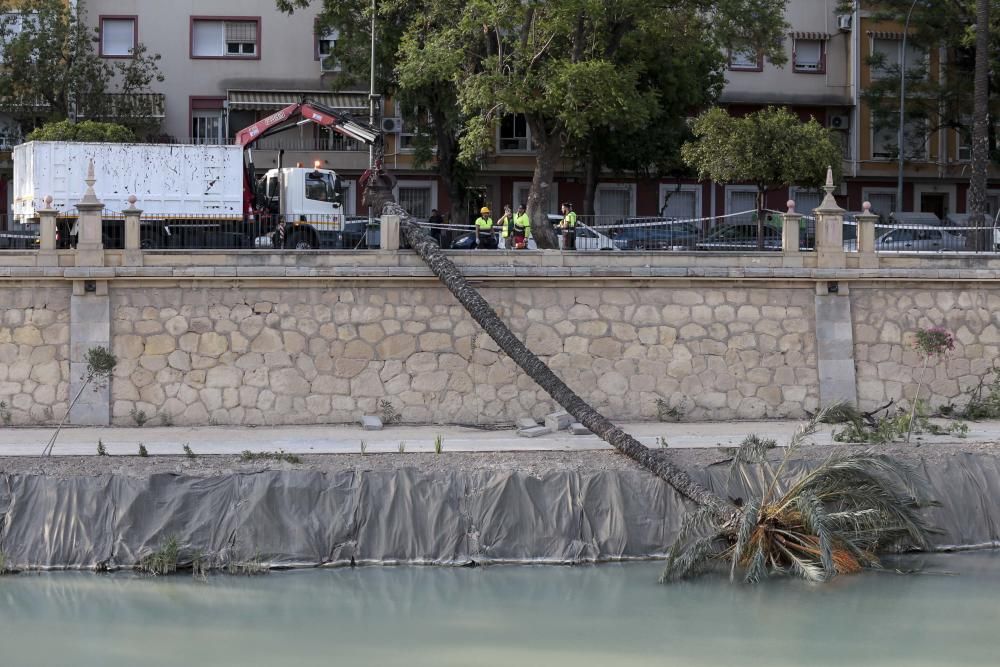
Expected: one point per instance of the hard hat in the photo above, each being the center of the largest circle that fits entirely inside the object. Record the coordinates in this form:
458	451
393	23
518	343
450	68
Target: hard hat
484	211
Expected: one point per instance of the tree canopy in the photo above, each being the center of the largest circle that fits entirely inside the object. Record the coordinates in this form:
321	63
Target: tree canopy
87	130
51	68
770	148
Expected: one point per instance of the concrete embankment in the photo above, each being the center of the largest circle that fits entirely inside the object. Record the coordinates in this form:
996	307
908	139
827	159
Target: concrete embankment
95	512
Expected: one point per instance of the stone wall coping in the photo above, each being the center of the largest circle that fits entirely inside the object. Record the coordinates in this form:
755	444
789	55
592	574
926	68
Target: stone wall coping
498	273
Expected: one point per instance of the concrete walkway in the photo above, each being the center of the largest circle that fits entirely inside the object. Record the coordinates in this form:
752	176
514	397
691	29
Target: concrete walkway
342	439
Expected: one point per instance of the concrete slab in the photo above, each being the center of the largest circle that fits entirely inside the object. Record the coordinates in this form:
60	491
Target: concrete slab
371	423
557	421
526	422
534	431
576	428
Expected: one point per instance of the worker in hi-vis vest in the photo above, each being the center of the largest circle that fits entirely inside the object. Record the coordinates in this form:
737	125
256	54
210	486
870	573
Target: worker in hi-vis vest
484	230
505	223
568	227
522	228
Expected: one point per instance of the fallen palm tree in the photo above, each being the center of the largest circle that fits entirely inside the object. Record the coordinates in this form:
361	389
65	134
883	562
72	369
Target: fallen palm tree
728	522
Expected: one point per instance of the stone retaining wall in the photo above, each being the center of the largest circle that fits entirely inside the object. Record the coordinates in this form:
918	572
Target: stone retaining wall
315	355
34	354
888	367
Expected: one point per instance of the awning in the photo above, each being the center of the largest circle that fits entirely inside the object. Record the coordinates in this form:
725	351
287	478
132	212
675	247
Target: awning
278	99
821	36
883	34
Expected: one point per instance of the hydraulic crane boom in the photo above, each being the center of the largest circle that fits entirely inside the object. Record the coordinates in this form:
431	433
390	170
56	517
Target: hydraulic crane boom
310	112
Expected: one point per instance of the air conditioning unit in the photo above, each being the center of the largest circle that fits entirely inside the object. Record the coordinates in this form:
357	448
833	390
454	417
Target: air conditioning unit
839	122
392	125
844	22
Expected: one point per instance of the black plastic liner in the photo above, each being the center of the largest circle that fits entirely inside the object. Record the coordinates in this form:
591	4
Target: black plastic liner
287	518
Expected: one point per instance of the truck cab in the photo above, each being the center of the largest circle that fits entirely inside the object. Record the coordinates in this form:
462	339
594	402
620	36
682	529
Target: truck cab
310	203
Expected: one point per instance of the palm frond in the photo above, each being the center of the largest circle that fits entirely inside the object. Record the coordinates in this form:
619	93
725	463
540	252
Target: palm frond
691	559
816	521
802	567
840	413
757	564
747	524
753	449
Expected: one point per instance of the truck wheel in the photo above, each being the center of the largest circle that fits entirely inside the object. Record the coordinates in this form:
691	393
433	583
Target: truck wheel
301	241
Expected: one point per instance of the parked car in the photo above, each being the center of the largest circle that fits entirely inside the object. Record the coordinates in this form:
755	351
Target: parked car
920	239
21	237
740	236
669	235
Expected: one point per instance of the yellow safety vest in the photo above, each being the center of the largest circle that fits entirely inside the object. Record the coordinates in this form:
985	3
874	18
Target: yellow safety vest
524	222
569	222
506	221
484	224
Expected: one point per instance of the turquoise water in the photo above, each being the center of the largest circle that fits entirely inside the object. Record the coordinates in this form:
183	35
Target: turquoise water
609	615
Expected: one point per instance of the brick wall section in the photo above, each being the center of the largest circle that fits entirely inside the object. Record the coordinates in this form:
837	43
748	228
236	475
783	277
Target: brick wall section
34	354
887	365
309	355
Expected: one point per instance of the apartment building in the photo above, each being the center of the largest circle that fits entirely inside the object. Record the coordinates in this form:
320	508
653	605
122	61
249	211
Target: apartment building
832	60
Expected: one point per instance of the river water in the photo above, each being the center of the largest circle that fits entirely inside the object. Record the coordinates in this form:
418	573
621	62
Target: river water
608	615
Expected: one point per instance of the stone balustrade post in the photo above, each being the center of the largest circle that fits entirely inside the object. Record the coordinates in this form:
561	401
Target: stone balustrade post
867	258
90	238
830	229
47	230
790	241
389	237
133	241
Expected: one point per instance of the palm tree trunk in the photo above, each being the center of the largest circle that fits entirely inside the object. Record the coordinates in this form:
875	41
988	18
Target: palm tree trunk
537	370
980	127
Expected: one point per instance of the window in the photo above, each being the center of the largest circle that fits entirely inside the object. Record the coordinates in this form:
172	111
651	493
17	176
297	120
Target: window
514	135
683	204
747	59
886	54
616	200
208	120
741	199
963	139
326	44
520	196
806	200
885	138
809	55
417	197
118	36
883	202
225	38
415	123
319	187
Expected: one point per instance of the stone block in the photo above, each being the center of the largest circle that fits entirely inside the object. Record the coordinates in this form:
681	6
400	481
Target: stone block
533	432
526	423
557	421
576	428
371	423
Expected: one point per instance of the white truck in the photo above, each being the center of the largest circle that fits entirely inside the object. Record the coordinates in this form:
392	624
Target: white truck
195	196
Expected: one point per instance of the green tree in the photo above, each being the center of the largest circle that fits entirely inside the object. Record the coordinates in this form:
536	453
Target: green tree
87	130
770	148
51	69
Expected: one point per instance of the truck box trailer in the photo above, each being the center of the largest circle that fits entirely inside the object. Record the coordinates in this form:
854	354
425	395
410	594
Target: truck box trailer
167	180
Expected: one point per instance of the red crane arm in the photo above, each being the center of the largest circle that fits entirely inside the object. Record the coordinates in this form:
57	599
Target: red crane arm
335	120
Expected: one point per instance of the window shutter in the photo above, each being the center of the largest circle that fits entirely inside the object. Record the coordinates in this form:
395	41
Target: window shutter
241	31
117	37
207	39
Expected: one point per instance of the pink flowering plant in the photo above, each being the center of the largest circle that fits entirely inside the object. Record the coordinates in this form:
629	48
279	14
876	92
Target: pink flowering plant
933	342
929	343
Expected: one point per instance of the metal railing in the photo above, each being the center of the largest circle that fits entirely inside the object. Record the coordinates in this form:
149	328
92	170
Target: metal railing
268	232
17	236
925	239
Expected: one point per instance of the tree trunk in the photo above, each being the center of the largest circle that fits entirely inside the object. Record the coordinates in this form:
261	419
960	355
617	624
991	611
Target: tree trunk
592	179
537	370
549	151
980	128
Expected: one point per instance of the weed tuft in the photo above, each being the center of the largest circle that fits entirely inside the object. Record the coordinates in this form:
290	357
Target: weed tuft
281	455
188	452
142	450
438	444
5	414
402	446
668	413
364	448
138	416
162	561
252	567
101	449
389	413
